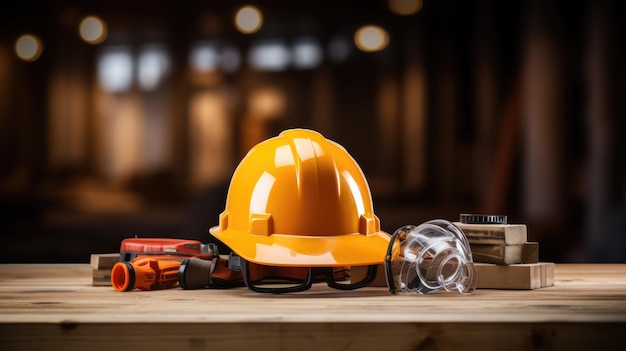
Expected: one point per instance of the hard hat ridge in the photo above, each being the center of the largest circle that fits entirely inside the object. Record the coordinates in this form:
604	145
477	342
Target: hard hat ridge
314	162
301	199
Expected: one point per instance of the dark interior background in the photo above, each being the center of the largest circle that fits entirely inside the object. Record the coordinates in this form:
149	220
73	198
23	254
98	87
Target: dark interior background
479	106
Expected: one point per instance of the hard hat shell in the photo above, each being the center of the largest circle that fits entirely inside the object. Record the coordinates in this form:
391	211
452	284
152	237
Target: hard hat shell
299	199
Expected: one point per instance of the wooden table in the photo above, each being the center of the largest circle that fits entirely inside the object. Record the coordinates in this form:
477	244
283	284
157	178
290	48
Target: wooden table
55	307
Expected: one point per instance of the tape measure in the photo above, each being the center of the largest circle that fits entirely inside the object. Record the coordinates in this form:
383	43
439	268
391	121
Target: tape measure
482	219
183	248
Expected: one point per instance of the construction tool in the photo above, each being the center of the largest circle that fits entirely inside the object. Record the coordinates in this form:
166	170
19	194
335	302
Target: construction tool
145	273
153	263
163	248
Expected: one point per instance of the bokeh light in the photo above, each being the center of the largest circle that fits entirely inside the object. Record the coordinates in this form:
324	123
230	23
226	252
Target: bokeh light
248	19
231	59
152	66
269	55
28	47
307	53
405	7
93	30
115	69
204	57
371	38
339	49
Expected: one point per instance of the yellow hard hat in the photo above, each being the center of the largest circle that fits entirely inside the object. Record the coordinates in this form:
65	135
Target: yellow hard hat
299	199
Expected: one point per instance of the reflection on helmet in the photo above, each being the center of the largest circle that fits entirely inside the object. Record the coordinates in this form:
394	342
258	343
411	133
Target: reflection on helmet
299	199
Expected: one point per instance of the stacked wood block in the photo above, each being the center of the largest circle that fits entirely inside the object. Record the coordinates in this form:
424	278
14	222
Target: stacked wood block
524	276
500	243
102	265
504	257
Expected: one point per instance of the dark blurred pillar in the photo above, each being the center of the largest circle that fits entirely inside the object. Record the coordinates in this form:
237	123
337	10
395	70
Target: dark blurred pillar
486	97
414	105
5	84
387	125
445	138
69	97
543	119
323	93
605	238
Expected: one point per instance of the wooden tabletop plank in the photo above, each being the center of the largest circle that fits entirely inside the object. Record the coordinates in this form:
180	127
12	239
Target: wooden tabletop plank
61	293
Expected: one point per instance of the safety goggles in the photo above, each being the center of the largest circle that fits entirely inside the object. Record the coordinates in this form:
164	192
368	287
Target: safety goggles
334	277
432	256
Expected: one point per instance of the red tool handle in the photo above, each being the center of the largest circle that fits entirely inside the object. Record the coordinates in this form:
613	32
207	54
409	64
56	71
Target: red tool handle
145	273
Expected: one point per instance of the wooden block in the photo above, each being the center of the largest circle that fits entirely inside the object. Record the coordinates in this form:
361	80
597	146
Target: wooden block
490	276
504	234
506	254
517	276
101	277
104	261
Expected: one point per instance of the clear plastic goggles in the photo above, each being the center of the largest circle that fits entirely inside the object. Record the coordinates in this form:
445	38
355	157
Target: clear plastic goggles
432	256
334	277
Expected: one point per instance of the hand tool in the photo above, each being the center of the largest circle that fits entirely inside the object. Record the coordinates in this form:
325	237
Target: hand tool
153	263
145	273
163	247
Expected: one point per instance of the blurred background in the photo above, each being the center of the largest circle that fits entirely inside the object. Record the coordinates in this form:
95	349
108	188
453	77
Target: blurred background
127	118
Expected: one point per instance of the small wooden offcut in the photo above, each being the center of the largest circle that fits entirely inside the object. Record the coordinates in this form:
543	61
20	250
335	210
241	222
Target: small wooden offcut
101	265
506	254
490	276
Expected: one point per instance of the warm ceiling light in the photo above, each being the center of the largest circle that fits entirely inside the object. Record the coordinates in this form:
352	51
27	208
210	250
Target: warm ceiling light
371	38
405	7
93	30
248	19
267	103
28	47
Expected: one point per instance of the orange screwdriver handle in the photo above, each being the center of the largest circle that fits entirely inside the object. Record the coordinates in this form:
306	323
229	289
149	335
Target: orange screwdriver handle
145	273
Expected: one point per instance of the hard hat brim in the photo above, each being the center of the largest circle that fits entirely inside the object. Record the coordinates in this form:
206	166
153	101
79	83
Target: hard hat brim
306	251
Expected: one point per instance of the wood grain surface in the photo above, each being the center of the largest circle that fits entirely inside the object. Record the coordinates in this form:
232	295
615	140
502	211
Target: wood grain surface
506	234
506	254
56	305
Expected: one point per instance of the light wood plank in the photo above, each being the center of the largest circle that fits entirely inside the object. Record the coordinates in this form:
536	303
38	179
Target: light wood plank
490	276
313	336
64	294
506	254
104	261
101	277
505	234
517	276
